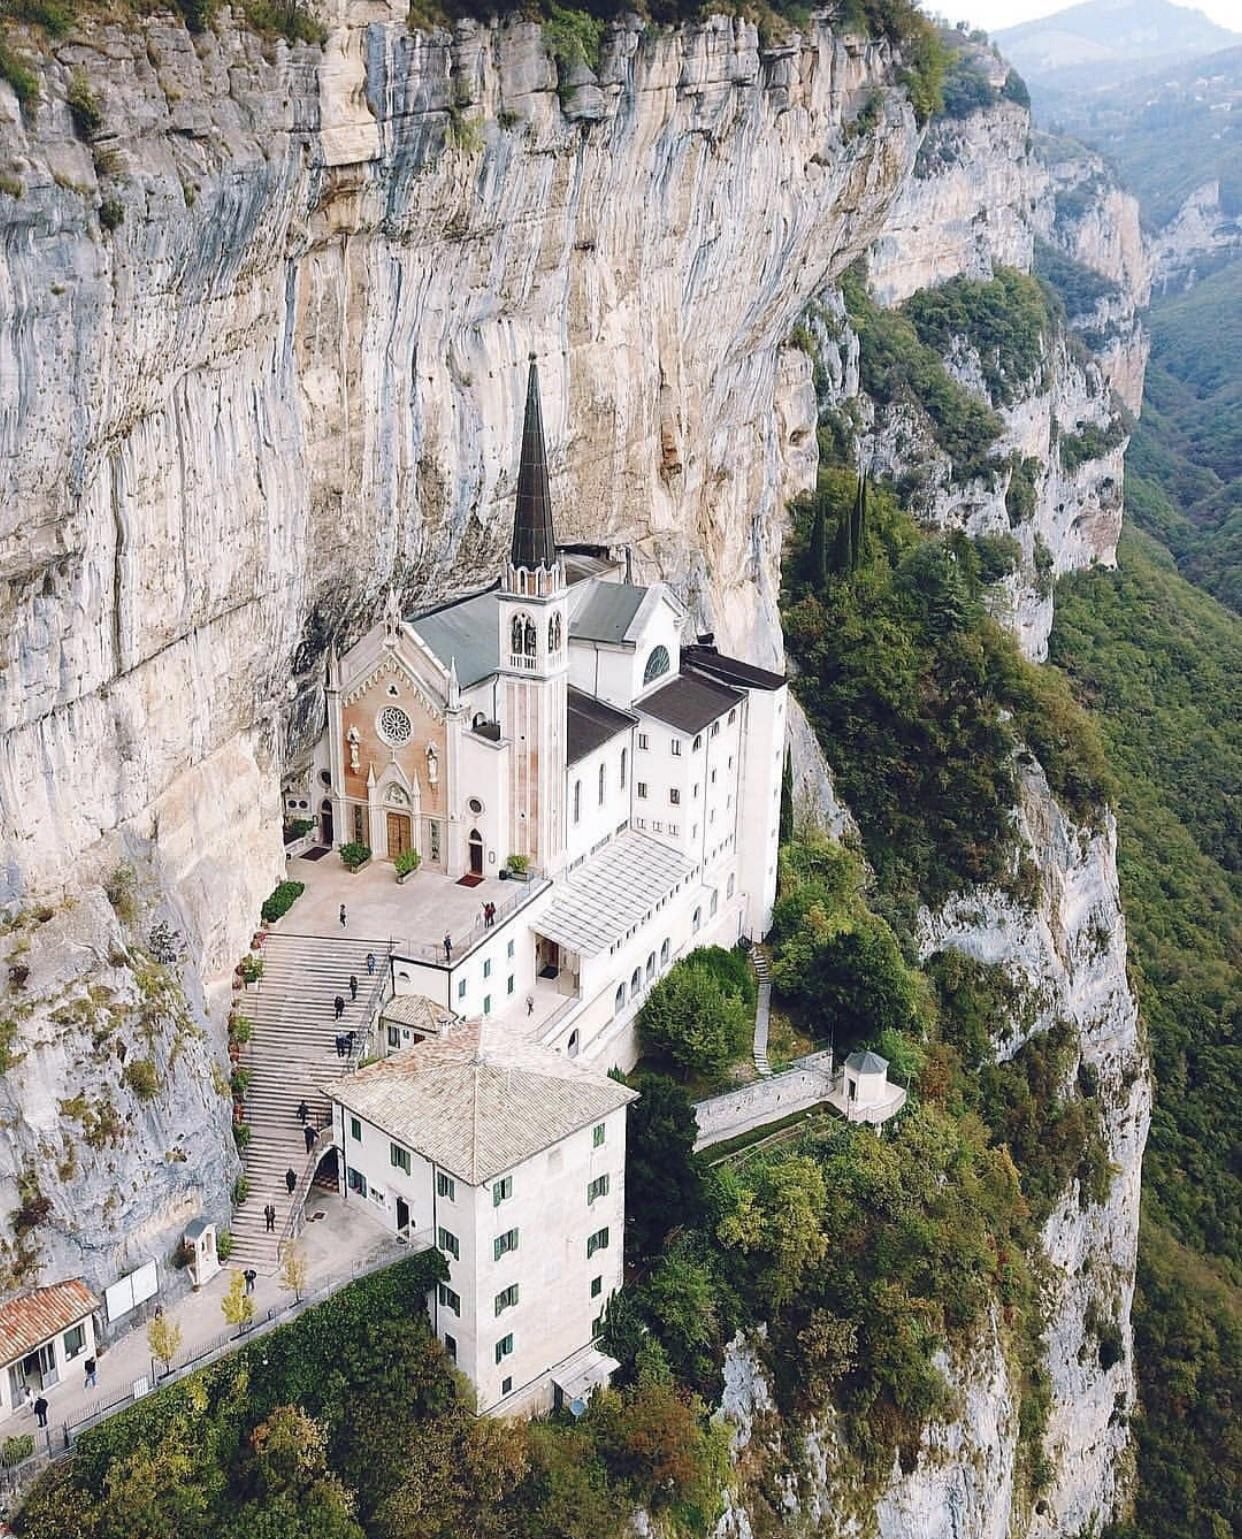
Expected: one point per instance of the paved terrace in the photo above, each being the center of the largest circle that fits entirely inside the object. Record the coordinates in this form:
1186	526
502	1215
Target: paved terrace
413	916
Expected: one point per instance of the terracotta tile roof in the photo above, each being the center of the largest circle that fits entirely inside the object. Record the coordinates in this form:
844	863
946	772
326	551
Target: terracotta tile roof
478	1101
30	1319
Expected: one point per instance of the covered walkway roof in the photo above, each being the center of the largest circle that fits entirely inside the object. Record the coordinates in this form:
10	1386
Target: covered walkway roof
612	892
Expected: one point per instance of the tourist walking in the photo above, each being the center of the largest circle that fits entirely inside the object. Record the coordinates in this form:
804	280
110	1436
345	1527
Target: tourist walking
448	948
530	1004
269	1219
40	1410
342	916
339	1006
340	1045
250	1275
92	1374
291	1181
353	986
303	1111
370	962
308	1133
27	1397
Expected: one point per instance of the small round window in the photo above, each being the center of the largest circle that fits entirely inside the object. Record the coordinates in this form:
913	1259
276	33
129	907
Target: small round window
475	805
394	725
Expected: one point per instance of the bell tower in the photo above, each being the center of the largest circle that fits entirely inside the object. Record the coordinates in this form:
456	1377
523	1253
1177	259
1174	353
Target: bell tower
533	615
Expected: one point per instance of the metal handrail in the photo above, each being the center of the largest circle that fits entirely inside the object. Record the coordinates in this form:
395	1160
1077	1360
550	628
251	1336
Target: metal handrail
422	951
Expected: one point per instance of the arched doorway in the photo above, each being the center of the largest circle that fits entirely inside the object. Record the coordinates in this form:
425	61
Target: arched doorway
476	852
400	836
325	821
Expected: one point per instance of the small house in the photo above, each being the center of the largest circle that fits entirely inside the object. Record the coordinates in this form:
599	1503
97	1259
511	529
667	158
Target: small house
42	1332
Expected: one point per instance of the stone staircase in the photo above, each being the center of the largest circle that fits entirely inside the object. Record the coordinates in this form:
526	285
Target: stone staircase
291	1057
763	1008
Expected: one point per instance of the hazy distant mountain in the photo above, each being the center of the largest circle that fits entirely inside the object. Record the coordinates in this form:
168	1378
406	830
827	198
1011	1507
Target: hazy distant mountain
1099	44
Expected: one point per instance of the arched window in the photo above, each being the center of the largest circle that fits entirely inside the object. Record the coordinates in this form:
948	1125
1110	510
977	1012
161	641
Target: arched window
636	982
577	801
517	631
729	888
624	765
554	634
618	1003
650	966
530	639
601	785
715	903
664	954
657	663
696	919
573	1043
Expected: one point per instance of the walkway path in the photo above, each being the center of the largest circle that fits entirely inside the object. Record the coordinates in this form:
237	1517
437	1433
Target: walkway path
291	1057
763	1010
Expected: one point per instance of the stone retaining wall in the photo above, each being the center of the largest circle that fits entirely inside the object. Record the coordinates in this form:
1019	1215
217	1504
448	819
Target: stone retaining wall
804	1084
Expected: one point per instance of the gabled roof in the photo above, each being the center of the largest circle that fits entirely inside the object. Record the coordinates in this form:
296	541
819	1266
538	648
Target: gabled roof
731	670
464	633
604	611
689	702
480	1100
32	1318
590	723
419	1013
867	1063
609	893
534	543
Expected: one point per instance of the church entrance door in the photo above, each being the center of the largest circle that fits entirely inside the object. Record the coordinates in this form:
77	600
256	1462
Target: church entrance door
476	853
325	822
399	835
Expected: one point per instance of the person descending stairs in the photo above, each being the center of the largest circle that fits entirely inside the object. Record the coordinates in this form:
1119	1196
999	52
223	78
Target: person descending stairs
299	1043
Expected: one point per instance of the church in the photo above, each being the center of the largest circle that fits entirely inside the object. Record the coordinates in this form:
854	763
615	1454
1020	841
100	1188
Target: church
558	730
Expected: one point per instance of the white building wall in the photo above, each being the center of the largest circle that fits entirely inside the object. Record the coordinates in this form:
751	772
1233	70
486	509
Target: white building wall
66	1366
763	759
484	778
598	821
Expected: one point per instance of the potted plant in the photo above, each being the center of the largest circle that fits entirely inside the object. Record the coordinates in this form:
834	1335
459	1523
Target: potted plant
407	863
251	968
355	855
517	867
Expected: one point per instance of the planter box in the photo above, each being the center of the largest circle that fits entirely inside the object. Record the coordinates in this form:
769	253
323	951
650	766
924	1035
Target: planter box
354	870
404	876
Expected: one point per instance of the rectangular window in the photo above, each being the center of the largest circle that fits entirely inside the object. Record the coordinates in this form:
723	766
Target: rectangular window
355	1129
394	1036
502	1190
506	1386
715	729
642	790
509	985
75	1341
509	952
487	967
597	1287
504	1243
357	825
597	1188
504	1348
642	740
674	748
448	1243
449	1299
597	1135
732	715
656	828
672	828
356	1182
433	840
461	988
506	1298
399	1157
674	796
450	1347
446	1186
597	1241
487	1004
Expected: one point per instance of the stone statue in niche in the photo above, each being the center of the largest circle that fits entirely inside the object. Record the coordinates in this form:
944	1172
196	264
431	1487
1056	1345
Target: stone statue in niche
433	765
352	738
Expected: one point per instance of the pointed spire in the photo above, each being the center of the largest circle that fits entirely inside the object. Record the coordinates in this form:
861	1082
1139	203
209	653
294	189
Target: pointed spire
534	543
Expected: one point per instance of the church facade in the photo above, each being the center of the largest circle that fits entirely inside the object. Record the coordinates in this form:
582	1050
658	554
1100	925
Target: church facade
559	728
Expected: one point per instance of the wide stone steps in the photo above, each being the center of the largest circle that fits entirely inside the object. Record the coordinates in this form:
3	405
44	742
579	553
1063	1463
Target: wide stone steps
292	1057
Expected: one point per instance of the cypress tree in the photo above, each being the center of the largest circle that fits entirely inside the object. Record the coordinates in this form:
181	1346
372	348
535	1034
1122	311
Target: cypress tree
818	555
842	553
787	819
860	536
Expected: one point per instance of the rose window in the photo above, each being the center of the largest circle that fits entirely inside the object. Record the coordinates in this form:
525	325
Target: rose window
395	726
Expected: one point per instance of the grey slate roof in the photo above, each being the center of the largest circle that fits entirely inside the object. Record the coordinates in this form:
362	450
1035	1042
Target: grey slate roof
867	1063
480	1100
604	611
609	893
465	632
731	670
419	1013
689	702
590	723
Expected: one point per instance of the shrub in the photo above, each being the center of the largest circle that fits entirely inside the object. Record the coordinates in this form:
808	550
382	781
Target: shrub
83	105
240	1029
142	1078
700	1025
11	186
21	77
281	901
239	1083
251	968
241	1190
407	861
572	37
111	213
241	1136
1020	493
518	864
355	854
1014	90
965	88
14	1449
999	555
1005	319
224	1244
284	18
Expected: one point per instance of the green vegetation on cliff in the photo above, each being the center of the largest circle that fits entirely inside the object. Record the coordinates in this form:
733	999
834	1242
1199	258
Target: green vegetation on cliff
1160	664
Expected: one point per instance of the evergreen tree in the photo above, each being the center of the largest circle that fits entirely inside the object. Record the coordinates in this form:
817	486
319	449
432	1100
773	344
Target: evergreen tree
787	816
843	547
818	555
